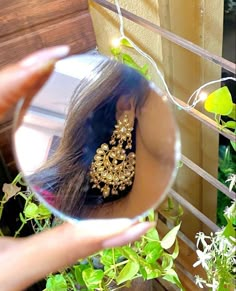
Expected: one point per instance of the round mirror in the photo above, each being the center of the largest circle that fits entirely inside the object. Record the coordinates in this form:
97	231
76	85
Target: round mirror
97	141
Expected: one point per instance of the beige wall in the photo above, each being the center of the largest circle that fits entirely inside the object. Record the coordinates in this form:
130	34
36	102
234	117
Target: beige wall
199	21
106	27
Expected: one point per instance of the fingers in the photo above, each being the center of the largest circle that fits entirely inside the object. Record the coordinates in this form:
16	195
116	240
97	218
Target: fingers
34	257
24	79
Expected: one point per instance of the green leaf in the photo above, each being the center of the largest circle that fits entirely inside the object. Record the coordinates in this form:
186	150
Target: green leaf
145	69
151	215
31	210
126	43
129	253
230	124
167	262
111	273
229	229
78	269
128	272
56	282
219	102
233	143
171	276
22	219
153	251
143	272
153	271
92	278
108	254
137	244
169	239
176	250
152	234
43	211
116	51
232	114
170	204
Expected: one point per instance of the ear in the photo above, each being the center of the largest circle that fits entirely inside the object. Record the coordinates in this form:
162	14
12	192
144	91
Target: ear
125	106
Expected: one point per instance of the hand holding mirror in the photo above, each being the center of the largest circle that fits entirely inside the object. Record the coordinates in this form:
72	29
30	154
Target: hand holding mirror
97	141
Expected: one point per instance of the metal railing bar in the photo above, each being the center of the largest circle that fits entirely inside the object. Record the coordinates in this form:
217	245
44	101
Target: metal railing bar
208	121
213	181
194	210
229	66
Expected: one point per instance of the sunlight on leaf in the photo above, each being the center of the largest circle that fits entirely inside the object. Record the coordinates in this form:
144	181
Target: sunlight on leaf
31	210
126	43
219	102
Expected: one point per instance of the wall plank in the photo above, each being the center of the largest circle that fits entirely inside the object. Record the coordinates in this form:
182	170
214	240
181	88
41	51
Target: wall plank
28	25
76	31
18	15
186	72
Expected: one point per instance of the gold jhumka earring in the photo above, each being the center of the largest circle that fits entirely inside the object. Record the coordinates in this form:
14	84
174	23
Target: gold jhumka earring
112	169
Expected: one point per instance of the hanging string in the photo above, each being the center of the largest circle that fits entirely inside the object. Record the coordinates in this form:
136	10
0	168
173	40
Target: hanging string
195	98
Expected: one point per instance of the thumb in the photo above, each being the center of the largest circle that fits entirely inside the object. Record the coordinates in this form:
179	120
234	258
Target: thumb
34	257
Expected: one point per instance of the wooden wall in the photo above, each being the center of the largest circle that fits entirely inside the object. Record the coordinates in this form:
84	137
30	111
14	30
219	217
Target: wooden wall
28	25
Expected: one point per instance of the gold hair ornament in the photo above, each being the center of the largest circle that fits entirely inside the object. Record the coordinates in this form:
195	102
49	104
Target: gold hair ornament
112	169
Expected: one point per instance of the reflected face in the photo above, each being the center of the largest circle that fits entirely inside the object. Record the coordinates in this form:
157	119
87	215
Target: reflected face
157	128
72	129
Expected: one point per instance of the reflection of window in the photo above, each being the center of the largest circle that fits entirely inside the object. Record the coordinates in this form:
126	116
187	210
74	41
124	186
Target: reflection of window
38	142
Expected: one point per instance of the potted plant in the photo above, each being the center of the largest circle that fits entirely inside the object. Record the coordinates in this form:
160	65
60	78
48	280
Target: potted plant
109	269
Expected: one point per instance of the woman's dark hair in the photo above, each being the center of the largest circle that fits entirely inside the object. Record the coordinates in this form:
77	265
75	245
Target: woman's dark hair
90	122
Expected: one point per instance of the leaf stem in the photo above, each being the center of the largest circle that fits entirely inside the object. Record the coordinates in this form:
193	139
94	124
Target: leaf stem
19	229
17	179
116	265
2	202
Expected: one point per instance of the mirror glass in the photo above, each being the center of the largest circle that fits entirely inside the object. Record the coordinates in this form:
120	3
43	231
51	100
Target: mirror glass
97	141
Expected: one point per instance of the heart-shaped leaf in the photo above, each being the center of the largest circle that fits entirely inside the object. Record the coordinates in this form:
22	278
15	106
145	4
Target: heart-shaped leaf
153	251
31	210
128	272
56	282
92	278
169	239
219	102
230	124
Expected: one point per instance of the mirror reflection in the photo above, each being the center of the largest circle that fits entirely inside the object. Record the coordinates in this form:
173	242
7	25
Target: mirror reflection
98	141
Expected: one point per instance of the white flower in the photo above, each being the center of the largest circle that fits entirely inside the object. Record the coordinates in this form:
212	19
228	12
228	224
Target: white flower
232	180
199	281
214	285
201	237
202	258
